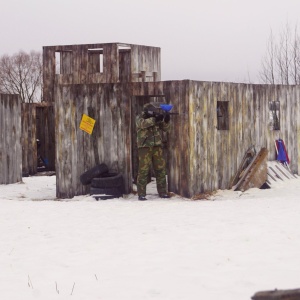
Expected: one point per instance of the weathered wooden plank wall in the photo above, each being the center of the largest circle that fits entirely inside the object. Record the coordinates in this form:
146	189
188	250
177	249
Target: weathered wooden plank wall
125	65
178	138
200	157
220	151
146	59
121	63
110	143
29	146
10	139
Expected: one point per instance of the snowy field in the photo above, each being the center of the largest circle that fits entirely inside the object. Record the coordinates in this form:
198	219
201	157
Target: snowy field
225	248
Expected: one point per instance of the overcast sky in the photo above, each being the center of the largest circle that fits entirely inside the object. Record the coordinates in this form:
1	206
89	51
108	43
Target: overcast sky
206	40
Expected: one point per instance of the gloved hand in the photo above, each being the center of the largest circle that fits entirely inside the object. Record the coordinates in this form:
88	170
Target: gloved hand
167	118
159	118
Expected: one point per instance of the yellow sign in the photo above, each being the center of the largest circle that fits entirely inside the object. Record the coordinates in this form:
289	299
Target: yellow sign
87	124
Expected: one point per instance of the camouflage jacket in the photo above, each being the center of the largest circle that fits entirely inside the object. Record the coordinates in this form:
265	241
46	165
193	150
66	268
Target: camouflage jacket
149	132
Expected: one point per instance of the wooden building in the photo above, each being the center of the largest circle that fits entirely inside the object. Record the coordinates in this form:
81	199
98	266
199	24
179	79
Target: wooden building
10	139
217	122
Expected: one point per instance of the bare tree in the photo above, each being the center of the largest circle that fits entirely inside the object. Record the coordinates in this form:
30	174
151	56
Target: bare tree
283	58
21	74
267	73
295	56
281	63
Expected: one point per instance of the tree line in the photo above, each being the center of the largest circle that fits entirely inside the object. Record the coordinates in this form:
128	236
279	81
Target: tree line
281	62
21	73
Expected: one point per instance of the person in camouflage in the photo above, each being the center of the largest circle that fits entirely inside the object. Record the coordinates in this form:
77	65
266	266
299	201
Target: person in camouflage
149	142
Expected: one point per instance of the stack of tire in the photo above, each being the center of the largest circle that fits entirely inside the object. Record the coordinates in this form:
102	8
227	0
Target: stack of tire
103	183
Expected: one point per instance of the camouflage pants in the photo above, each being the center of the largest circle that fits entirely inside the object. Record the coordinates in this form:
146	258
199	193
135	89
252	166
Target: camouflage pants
154	156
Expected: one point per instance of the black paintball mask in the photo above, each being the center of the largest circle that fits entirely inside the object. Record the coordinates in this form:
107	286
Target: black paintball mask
152	109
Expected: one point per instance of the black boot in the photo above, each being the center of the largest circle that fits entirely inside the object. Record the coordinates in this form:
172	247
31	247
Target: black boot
164	195
142	198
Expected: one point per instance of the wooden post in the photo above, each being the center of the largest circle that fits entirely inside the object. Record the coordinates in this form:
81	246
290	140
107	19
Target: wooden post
154	76
143	75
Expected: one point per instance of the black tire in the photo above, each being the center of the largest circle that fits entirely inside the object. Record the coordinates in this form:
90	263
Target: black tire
108	193
108	180
86	177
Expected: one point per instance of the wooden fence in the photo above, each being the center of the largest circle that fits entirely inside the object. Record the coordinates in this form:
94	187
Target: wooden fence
10	139
110	143
214	154
202	155
217	123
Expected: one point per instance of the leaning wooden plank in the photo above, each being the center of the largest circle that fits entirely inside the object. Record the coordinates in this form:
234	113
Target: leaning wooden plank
256	173
249	155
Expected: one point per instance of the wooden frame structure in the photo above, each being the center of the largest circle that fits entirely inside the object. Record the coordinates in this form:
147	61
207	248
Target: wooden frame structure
217	122
37	123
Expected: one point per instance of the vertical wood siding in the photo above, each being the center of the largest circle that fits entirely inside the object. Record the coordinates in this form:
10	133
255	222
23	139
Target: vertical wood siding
119	65
10	139
178	139
220	151
76	150
200	157
29	146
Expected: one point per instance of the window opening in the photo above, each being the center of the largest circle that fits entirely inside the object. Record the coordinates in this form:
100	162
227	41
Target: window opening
95	58
101	62
222	115
274	115
57	63
63	62
123	47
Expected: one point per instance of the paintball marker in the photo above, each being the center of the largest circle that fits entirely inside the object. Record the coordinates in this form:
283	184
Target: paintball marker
155	109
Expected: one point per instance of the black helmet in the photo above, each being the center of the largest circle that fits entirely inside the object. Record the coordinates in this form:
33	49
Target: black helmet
153	107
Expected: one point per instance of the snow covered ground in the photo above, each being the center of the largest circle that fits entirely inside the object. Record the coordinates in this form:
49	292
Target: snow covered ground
225	248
